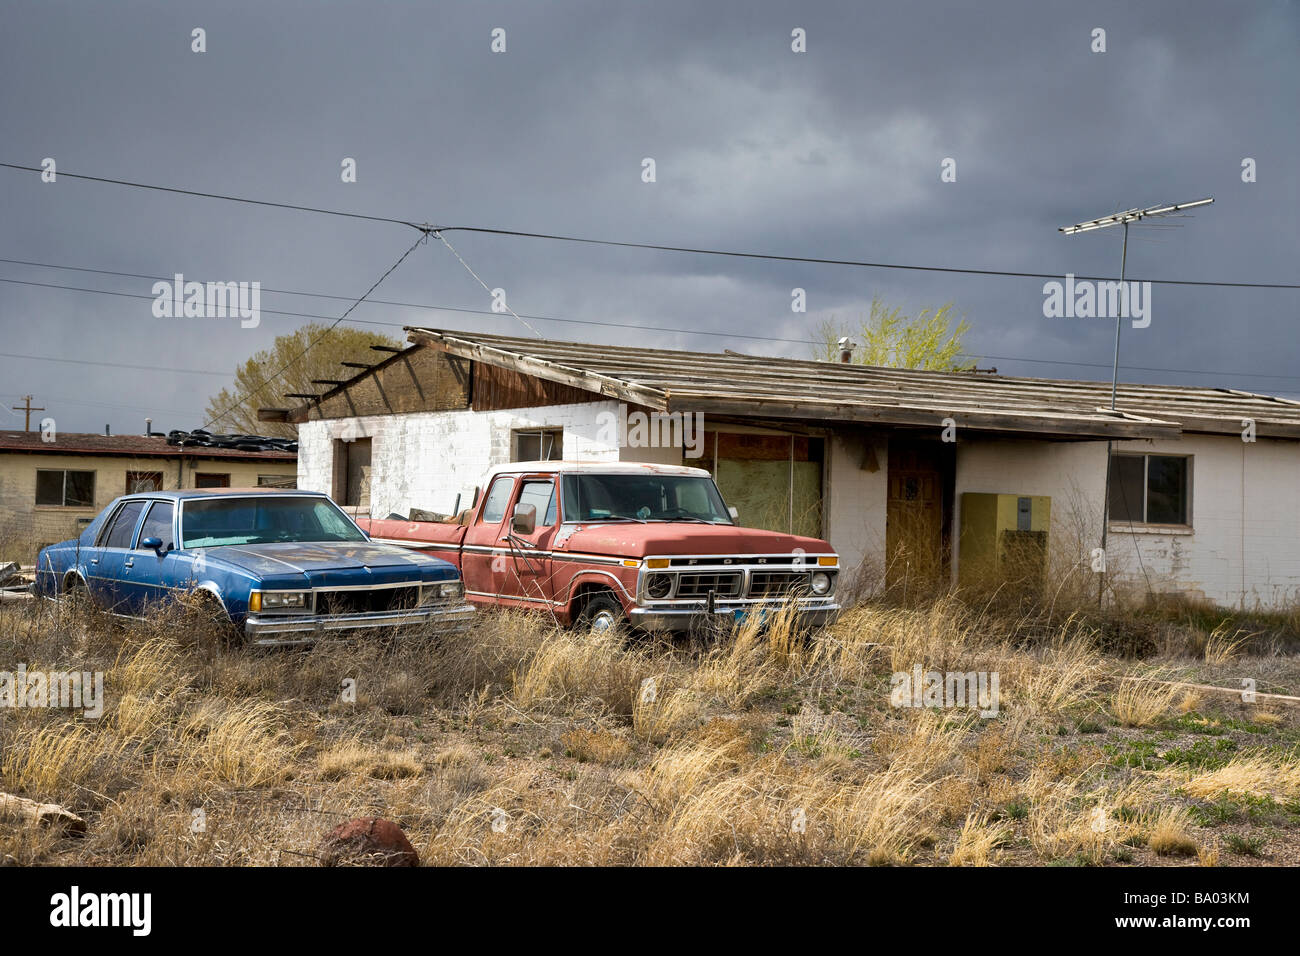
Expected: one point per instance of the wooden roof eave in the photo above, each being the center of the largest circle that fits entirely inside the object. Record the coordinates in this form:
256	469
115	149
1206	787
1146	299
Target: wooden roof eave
1098	427
544	369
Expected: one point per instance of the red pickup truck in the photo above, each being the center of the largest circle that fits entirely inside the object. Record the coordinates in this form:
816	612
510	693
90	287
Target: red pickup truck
653	546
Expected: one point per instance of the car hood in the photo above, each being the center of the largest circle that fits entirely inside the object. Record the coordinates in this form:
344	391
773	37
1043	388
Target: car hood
326	562
634	540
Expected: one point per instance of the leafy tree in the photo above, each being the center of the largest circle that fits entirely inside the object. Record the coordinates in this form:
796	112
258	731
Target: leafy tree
322	361
890	339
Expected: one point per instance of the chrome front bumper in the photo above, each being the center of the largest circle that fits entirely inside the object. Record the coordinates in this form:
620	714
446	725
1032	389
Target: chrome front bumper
277	630
657	618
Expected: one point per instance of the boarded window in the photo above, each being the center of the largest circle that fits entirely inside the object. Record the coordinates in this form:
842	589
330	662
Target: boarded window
209	479
774	481
68	489
1150	489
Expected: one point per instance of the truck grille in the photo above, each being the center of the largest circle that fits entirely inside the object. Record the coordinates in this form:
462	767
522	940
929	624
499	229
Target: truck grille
764	583
723	584
367	601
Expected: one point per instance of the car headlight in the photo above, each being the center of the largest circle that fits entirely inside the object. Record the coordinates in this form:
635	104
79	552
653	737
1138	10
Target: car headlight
658	585
450	590
820	583
279	601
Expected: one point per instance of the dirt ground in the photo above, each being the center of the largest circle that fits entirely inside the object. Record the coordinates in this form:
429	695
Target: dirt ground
515	743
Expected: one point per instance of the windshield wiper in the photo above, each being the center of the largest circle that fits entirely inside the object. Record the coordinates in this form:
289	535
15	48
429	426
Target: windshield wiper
615	518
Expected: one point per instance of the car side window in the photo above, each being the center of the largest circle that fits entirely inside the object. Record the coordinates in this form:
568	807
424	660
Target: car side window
498	496
119	535
540	494
158	524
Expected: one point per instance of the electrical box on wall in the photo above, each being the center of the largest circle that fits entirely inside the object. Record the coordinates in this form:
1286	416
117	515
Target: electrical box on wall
1003	538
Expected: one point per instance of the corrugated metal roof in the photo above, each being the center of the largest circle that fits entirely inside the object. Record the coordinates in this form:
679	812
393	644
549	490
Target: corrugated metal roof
781	388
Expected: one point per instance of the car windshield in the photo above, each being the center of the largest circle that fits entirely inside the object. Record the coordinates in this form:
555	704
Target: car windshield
647	497
213	522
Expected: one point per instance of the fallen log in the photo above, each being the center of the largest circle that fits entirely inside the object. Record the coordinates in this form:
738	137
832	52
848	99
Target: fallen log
40	814
1214	689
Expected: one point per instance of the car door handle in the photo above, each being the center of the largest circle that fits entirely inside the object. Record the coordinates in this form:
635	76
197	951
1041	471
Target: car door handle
130	563
94	560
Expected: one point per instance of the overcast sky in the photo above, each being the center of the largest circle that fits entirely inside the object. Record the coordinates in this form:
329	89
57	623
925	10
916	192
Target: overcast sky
834	152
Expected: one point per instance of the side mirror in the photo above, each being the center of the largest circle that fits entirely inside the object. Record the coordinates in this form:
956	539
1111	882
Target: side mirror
735	515
524	520
152	544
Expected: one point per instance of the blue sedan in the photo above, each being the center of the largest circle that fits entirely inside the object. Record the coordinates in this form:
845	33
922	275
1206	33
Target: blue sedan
283	566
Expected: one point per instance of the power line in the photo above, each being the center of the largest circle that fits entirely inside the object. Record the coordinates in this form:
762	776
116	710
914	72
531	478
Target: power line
206	195
391	269
850	262
539	318
556	237
452	250
144	368
76	401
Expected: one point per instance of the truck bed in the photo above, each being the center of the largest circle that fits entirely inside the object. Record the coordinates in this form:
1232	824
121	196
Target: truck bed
442	539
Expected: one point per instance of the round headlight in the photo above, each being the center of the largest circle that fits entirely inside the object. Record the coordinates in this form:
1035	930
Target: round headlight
821	583
658	585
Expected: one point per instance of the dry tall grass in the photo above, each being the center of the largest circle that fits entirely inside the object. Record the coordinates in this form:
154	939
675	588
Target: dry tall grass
516	743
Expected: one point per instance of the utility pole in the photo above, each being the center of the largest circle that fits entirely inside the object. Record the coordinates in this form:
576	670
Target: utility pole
1124	219
28	409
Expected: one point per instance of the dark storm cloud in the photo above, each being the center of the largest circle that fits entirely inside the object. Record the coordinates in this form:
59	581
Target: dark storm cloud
831	153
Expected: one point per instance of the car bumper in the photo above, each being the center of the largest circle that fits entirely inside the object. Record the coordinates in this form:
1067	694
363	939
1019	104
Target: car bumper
276	630
697	618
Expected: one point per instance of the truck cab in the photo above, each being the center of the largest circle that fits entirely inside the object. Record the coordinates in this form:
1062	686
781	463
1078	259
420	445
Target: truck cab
653	546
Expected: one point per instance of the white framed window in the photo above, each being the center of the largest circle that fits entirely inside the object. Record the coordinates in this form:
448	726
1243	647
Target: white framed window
537	444
1151	489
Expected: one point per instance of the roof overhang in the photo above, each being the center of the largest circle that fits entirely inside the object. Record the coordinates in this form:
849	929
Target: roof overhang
541	368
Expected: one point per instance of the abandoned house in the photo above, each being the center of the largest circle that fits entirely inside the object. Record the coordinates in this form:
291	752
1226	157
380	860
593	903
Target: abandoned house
52	485
907	473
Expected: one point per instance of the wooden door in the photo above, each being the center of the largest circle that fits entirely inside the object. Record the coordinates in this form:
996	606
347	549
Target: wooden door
915	559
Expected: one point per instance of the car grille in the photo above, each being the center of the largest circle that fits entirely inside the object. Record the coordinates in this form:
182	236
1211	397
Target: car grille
763	583
723	584
367	601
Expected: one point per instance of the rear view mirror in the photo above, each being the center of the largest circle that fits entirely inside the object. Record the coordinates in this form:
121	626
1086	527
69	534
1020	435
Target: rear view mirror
735	515
151	544
524	520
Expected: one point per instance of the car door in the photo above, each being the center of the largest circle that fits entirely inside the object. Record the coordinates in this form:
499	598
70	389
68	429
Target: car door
528	574
148	574
107	564
484	556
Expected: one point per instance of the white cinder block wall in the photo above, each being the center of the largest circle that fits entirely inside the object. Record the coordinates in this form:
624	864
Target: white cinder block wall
1244	546
855	506
424	459
1073	474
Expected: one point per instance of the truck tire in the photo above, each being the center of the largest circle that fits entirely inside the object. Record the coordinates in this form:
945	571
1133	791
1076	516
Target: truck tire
601	612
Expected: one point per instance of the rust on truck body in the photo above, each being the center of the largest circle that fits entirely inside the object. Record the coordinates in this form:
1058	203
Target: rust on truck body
531	541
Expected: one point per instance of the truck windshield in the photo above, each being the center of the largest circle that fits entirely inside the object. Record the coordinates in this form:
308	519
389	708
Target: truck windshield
638	497
213	522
